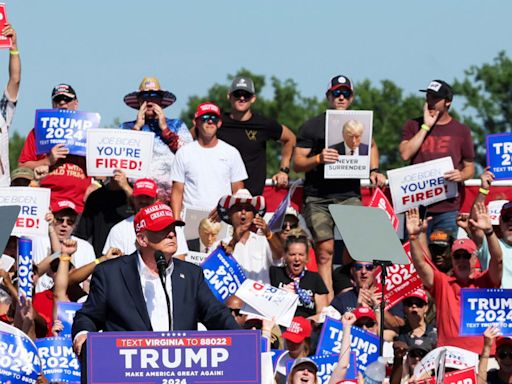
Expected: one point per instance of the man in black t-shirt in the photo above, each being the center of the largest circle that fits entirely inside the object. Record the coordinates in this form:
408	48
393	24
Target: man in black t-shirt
309	157
249	133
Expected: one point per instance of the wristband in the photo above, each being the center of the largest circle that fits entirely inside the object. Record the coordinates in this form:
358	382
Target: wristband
318	159
64	258
489	233
374	170
483	191
97	261
269	236
14	52
425	127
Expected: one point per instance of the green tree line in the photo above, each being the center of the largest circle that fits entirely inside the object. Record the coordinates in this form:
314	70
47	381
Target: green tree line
485	91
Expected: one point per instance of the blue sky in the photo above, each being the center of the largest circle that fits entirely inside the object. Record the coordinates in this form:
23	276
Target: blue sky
105	48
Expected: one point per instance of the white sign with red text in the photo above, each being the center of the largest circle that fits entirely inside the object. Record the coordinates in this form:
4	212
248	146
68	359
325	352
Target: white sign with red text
111	149
421	184
34	204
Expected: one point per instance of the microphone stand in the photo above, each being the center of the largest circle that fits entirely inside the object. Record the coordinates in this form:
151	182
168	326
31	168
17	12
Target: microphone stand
161	264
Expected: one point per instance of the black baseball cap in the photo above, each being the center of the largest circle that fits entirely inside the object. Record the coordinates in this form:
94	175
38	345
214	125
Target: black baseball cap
339	81
440	89
63	89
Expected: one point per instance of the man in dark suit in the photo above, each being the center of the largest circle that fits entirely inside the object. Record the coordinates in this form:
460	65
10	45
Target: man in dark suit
351	144
126	293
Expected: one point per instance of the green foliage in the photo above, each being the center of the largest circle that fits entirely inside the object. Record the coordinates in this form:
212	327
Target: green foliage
16	142
488	99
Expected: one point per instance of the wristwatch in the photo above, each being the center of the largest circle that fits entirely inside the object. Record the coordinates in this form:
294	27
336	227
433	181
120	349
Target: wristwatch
285	170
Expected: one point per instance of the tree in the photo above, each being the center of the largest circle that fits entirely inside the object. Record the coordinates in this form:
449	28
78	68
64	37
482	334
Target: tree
15	146
488	99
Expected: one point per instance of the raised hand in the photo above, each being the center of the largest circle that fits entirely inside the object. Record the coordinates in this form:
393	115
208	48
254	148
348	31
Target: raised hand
483	220
415	225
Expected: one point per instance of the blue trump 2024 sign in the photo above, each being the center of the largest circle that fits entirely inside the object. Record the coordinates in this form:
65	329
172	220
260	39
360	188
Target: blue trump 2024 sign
174	357
365	344
499	155
480	308
61	126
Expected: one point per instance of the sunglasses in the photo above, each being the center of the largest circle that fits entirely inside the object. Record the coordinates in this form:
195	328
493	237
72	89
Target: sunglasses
239	94
368	267
368	323
64	98
212	118
347	93
289	225
68	220
236	312
463	255
410	303
504	354
150	96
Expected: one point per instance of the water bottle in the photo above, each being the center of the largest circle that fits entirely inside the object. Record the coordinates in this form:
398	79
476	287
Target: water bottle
376	372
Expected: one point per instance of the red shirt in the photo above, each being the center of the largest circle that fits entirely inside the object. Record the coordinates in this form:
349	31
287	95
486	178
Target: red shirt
43	304
67	179
446	293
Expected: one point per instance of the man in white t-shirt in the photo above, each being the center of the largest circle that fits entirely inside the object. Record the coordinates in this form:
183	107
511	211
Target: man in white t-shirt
65	217
8	103
206	169
122	235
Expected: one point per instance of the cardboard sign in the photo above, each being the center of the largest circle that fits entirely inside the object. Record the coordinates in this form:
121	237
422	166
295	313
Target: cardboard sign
19	362
401	280
58	360
365	344
265	301
34	203
463	376
5	42
350	133
379	200
62	126
494	210
223	274
481	308
66	314
499	155
124	149
174	357
421	184
456	358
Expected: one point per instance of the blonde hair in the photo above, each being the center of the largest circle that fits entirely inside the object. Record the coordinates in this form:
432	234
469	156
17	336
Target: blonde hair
353	127
207	225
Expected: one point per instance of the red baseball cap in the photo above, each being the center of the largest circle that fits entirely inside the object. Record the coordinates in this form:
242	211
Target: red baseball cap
154	218
420	294
466	244
299	329
361	312
207	109
145	187
57	206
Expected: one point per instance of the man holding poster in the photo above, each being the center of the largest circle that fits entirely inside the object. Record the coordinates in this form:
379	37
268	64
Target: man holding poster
8	103
310	157
67	177
436	135
446	289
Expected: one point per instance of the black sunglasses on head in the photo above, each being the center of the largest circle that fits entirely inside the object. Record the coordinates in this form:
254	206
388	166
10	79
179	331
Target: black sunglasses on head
290	225
347	93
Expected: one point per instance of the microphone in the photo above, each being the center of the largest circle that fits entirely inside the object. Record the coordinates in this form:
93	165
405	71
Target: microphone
161	263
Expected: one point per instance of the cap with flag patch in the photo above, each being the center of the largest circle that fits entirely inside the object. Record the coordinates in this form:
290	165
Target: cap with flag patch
150	84
64	90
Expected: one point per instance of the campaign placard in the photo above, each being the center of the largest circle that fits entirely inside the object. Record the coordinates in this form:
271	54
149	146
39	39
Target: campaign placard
421	184
62	126
34	204
59	362
5	42
379	200
365	344
110	149
401	280
327	363
19	360
179	357
66	314
454	357
350	133
481	308
223	274
499	155
265	301
25	274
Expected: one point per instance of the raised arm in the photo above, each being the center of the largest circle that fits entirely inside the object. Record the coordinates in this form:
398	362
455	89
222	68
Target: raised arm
340	370
288	141
13	85
177	198
416	228
409	148
490	335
